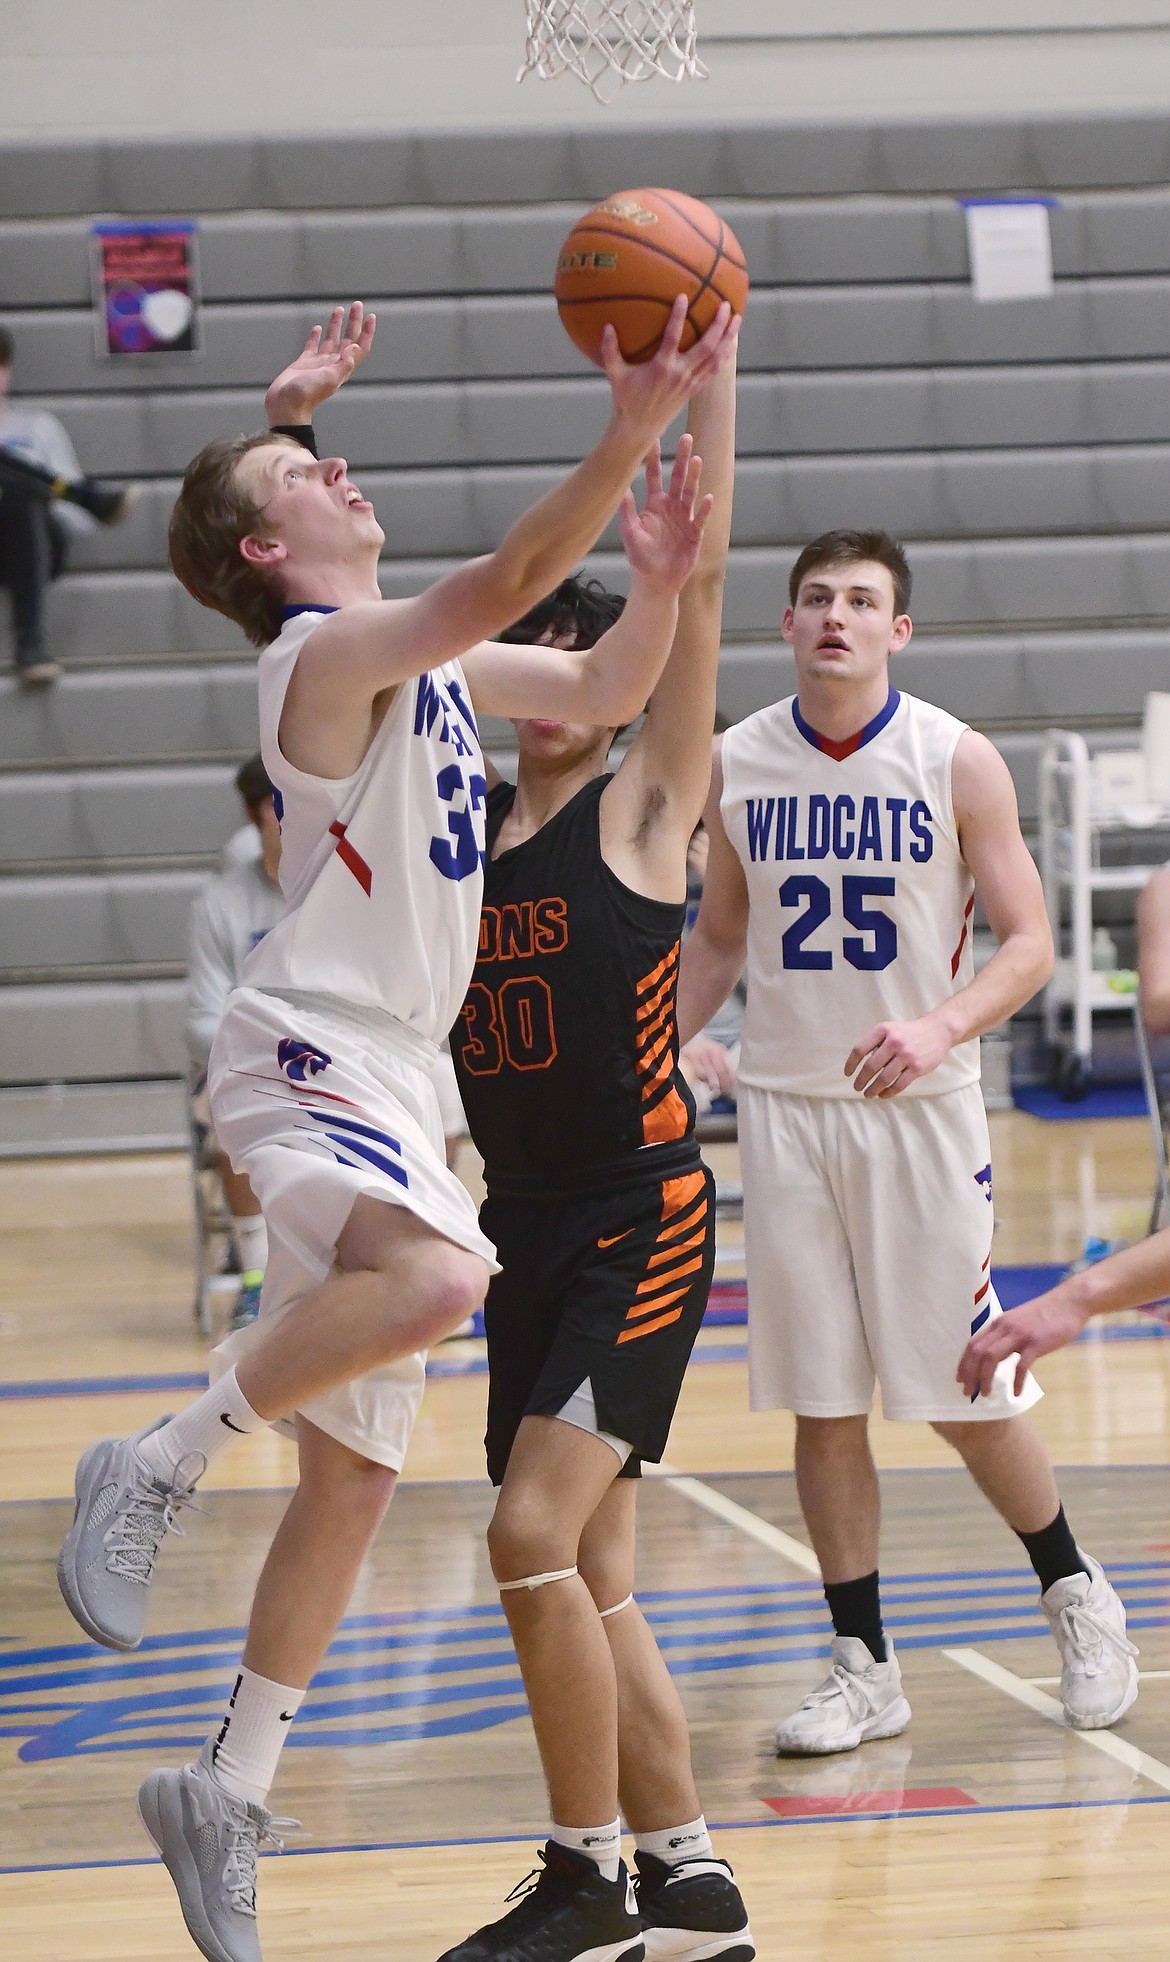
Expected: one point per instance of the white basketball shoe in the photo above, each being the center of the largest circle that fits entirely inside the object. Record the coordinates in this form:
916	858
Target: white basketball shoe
859	1699
1099	1677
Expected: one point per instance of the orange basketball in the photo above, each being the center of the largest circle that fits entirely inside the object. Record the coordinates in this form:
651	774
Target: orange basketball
628	259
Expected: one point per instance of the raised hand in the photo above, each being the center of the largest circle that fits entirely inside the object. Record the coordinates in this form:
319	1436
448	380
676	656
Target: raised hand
652	393
327	359
662	540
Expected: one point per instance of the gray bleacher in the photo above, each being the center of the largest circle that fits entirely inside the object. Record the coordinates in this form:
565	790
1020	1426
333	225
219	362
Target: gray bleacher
1021	450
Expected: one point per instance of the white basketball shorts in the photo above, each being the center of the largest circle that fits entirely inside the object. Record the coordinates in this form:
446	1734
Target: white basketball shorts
867	1235
451	1111
316	1108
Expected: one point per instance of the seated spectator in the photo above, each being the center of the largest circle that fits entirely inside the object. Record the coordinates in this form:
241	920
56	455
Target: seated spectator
44	501
1153	923
710	1060
234	910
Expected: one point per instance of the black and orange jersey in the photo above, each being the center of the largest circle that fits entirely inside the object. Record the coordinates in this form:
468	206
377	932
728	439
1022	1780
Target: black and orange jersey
566	1047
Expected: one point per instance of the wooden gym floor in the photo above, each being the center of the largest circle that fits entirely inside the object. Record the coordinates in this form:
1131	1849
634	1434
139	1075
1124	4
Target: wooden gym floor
988	1829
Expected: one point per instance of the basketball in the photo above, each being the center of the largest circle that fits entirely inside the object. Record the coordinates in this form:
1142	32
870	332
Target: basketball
628	259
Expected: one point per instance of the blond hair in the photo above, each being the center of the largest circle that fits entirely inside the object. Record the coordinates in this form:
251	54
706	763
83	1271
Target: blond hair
212	514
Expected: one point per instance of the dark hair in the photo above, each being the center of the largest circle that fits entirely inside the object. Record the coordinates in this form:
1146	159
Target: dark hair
211	515
835	548
6	348
581	607
254	783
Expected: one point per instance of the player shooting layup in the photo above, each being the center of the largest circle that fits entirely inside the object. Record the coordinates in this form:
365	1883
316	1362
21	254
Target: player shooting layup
320	1075
850	828
603	1216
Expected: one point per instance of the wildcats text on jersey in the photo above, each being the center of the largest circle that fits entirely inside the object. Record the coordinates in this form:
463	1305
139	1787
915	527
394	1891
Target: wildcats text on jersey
859	898
883	829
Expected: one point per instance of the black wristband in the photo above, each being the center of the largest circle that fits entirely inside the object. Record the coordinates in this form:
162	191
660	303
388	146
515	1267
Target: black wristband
298	432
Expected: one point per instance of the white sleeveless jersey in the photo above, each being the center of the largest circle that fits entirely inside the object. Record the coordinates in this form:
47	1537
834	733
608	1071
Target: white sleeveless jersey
860	903
382	871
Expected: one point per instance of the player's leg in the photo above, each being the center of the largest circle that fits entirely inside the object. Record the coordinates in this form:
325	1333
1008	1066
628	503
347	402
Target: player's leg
809	1354
687	1898
209	1818
557	1476
583	1906
402	1285
837	1483
1010	1464
921	1224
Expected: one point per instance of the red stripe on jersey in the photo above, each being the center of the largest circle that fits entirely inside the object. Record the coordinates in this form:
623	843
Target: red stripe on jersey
351	859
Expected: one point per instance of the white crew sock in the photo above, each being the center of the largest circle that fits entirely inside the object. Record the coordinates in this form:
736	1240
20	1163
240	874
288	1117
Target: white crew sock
601	1844
203	1430
678	1844
247	1746
251	1237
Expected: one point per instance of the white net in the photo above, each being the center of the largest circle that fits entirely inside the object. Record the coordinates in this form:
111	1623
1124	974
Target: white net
609	42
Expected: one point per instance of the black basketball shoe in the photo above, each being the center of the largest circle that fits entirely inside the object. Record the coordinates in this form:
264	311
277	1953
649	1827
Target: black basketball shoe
570	1914
692	1913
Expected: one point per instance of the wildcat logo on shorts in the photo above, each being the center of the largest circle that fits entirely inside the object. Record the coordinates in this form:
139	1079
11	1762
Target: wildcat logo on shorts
299	1060
983	1178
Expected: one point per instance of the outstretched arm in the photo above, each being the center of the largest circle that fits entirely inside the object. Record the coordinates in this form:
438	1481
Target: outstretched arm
371	646
1126	1280
894	1054
652	806
608	683
714	951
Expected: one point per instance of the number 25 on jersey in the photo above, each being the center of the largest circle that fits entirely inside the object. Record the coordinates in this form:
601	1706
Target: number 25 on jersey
874	944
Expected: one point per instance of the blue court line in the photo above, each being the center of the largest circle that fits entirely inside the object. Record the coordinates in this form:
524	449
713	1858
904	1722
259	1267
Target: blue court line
928	1586
111	1386
103	1386
716	1826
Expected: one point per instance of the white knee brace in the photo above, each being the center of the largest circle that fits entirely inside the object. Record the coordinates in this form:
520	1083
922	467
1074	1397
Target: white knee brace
537	1580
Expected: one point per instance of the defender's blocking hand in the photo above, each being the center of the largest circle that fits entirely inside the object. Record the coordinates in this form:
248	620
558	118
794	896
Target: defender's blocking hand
651	394
662	540
326	361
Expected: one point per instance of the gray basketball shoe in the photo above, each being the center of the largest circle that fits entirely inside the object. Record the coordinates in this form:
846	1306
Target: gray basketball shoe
123	1514
209	1842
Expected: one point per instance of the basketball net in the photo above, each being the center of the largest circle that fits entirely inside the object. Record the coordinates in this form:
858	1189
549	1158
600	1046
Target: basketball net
607	43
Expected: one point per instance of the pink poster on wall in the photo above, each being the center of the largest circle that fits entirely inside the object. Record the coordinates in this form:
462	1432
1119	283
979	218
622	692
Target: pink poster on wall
145	287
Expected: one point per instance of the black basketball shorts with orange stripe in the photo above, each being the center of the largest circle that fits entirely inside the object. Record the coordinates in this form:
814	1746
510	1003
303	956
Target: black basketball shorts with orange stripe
607	1287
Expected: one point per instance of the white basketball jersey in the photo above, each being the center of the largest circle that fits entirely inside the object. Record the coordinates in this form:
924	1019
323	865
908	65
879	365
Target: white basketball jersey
382	871
860	903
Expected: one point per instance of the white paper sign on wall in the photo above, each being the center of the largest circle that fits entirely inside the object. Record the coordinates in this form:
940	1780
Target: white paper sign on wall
1010	246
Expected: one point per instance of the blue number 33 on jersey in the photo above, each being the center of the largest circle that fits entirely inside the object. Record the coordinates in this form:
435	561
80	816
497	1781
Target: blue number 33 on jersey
460	859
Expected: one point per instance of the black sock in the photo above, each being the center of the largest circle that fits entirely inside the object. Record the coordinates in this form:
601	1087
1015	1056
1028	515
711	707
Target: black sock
1053	1552
856	1608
